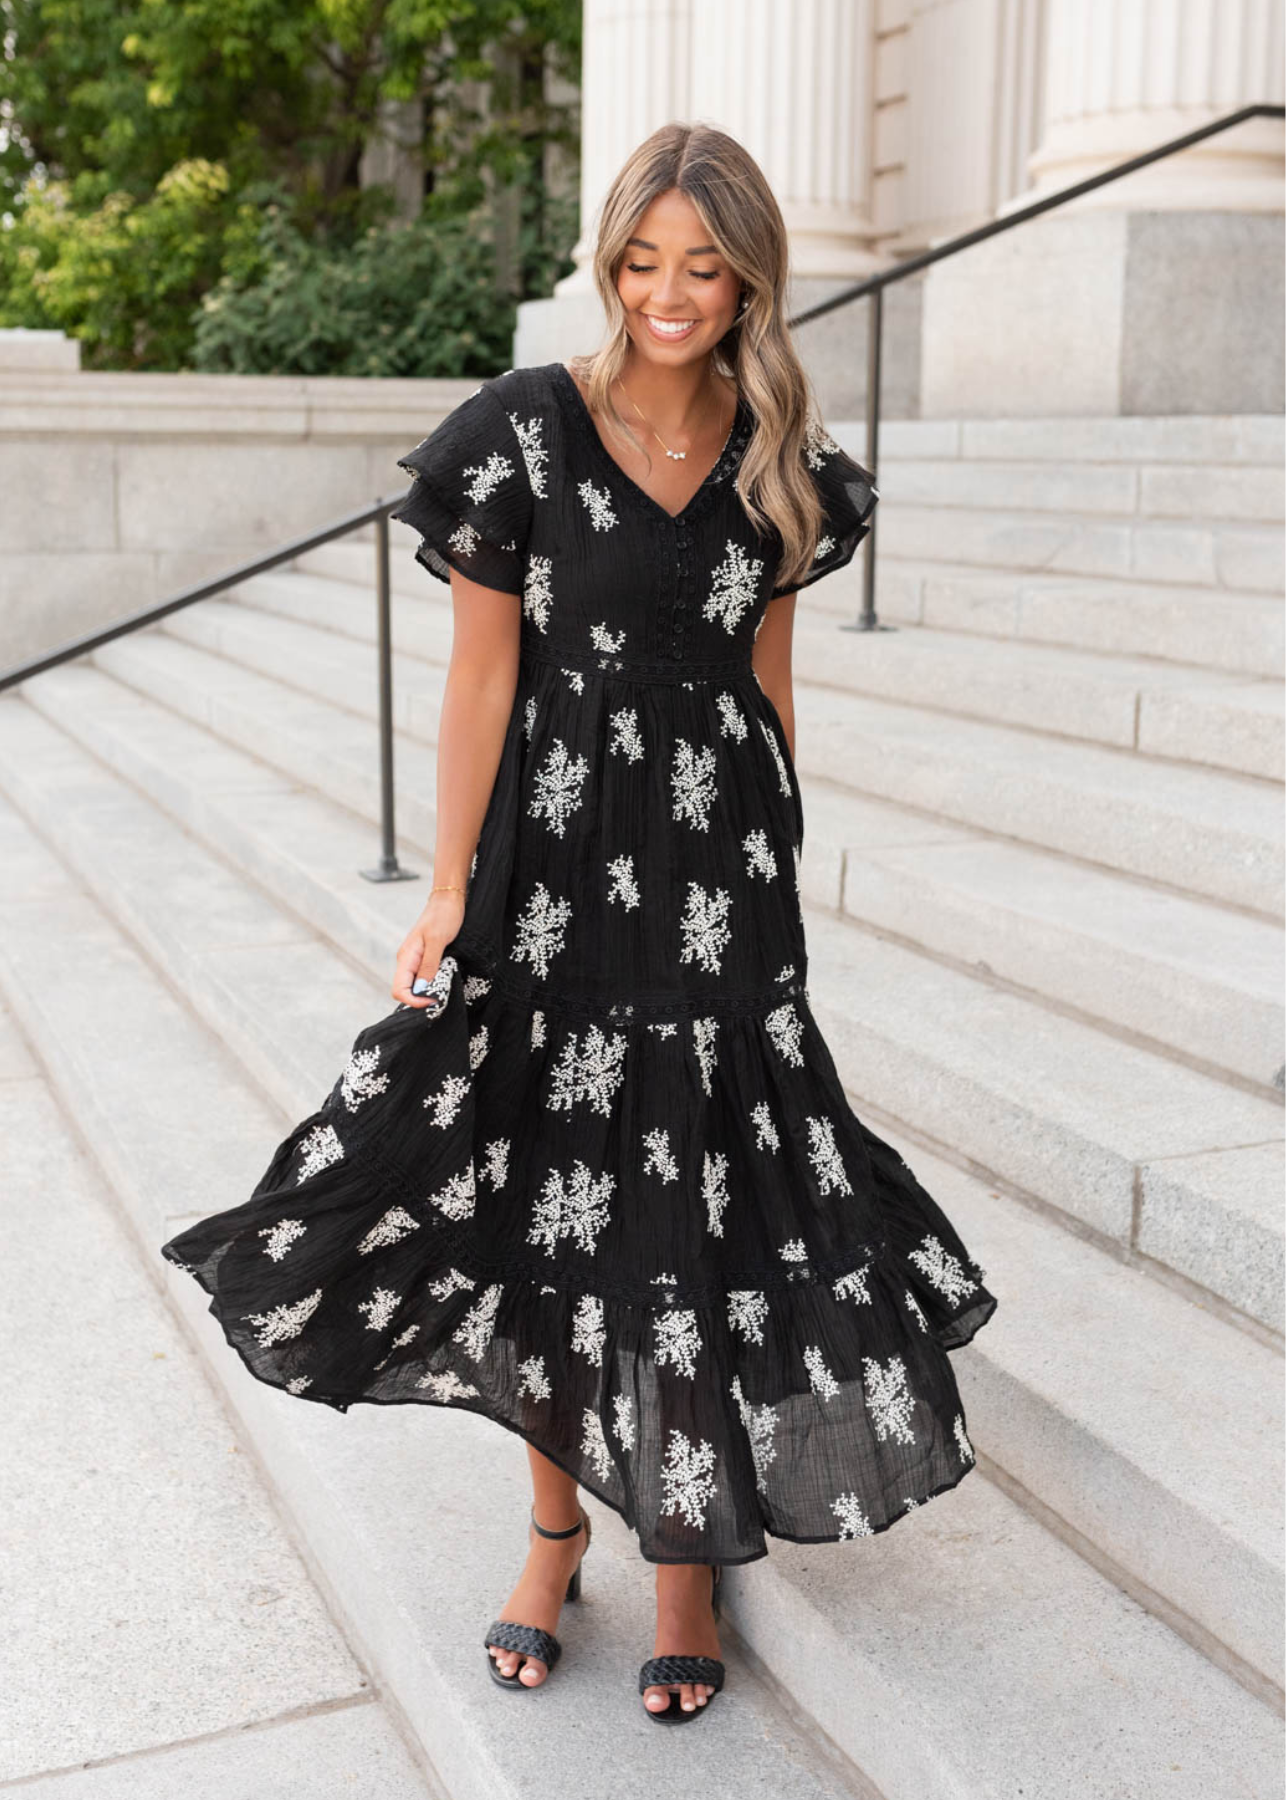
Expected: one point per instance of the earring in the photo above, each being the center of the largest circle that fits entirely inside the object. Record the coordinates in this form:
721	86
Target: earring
745	302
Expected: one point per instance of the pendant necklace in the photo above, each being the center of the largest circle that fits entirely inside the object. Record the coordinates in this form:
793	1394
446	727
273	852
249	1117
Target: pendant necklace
676	455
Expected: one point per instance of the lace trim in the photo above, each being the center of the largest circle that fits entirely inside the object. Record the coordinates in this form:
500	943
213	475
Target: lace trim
614	668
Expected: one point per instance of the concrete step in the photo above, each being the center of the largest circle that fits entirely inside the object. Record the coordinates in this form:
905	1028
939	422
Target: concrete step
1102	1696
1186	977
1098	1383
1201	628
1177	441
1076	1117
1132	490
414	1583
1222	720
1198	830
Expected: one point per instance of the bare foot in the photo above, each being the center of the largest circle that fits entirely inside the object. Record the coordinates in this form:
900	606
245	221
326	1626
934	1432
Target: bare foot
538	1597
685	1626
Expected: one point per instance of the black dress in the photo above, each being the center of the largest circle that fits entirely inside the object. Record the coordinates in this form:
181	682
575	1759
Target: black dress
612	1195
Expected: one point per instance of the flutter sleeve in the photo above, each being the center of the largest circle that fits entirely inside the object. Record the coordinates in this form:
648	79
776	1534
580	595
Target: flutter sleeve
470	496
848	495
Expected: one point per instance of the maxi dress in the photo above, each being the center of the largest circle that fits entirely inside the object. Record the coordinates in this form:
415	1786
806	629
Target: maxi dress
612	1194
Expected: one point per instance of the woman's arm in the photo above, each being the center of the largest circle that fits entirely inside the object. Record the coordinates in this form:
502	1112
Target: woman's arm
482	679
771	660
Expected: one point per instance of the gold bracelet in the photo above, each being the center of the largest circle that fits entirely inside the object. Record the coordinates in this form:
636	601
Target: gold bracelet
446	887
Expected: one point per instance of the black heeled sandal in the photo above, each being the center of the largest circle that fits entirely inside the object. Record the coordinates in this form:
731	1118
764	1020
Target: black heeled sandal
530	1640
660	1671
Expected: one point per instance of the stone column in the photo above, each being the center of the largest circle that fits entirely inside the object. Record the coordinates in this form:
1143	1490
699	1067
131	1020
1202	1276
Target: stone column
1124	75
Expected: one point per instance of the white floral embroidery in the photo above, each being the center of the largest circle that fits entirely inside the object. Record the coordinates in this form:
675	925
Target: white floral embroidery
496	1162
537	1029
659	1159
575	1207
603	639
453	1282
529	717
687	1477
487	477
359	1080
693	780
588	1332
714	1190
888	1399
853	1286
298	1383
475	986
736	586
599	504
399	1342
447	1387
677	1340
794	1251
783	778
623	1407
733	722
594	1443
395	1225
664	1029
706	933
825	1156
747	1310
853	1521
284	1321
824	546
478	1046
479	1323
820	1377
319	1150
943	1270
281	1236
962	1442
913	1307
464	540
759	856
626	735
591	1070
379	1309
818	443
765	1130
623	886
534	453
534	1380
759	1423
704	1032
456	1199
911	1504
538	591
542	927
445	1103
575	680
559	787
788	969
786	1029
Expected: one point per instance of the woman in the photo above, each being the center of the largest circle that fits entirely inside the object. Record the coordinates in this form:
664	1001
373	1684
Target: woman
595	1177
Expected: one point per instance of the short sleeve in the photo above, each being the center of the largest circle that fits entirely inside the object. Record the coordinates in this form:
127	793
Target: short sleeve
848	495
470	496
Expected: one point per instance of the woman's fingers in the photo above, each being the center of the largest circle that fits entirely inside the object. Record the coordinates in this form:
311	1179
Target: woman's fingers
415	959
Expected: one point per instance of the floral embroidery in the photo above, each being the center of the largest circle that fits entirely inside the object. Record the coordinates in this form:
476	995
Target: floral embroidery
559	784
542	929
594	1443
677	1340
537	591
534	1380
598	502
534	453
714	1191
888	1399
625	734
447	1387
759	1423
733	723
962	1442
575	1207
747	1310
623	886
456	1199
487	477
765	1131
853	1521
445	1102
786	1029
496	1162
820	1377
759	857
284	1321
703	1044
693	780
319	1150
359	1080
825	1157
783	778
706	933
623	1408
736	587
659	1160
588	1333
687	1477
591	1071
943	1270
281	1236
476	1328
380	1308
395	1225
853	1286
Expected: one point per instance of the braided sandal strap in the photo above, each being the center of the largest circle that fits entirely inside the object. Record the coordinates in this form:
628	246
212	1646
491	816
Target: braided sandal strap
528	1640
659	1671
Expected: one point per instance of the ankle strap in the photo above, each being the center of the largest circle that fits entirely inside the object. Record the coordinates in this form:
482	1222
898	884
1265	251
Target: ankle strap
570	1532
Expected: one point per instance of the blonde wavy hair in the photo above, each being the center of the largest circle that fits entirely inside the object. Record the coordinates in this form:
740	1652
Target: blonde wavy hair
728	189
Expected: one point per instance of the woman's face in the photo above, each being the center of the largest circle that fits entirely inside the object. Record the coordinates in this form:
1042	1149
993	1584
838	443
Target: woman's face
679	294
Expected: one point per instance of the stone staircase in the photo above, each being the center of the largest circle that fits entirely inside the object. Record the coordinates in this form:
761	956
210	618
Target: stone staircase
1042	867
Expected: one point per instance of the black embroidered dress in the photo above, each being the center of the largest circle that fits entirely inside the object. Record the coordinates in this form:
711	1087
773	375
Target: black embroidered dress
612	1195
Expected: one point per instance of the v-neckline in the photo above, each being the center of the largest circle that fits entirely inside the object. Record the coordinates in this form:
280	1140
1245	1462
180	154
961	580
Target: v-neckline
586	419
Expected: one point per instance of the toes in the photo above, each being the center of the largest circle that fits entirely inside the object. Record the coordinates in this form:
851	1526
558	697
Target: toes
687	1699
656	1699
533	1672
506	1660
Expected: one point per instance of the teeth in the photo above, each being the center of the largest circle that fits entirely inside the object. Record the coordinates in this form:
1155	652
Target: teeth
672	326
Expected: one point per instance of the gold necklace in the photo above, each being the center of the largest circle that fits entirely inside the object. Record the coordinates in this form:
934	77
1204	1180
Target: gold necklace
677	455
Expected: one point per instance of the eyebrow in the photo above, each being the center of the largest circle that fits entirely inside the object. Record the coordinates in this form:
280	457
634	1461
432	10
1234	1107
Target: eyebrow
697	250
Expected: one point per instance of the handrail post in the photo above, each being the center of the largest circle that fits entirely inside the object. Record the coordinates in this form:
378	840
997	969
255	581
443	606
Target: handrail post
866	619
389	868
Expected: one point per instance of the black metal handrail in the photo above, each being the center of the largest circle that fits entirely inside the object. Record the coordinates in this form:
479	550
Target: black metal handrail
377	512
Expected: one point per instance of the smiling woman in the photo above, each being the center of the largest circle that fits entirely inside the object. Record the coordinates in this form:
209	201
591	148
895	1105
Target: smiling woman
608	1191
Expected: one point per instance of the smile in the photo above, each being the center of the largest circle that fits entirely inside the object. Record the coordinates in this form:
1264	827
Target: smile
670	328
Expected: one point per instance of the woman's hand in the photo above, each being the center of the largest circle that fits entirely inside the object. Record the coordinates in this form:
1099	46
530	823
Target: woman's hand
421	949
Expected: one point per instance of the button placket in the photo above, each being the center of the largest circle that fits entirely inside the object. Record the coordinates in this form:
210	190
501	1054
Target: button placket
682	571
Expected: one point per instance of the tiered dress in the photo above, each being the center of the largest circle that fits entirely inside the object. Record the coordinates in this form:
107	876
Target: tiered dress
612	1195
